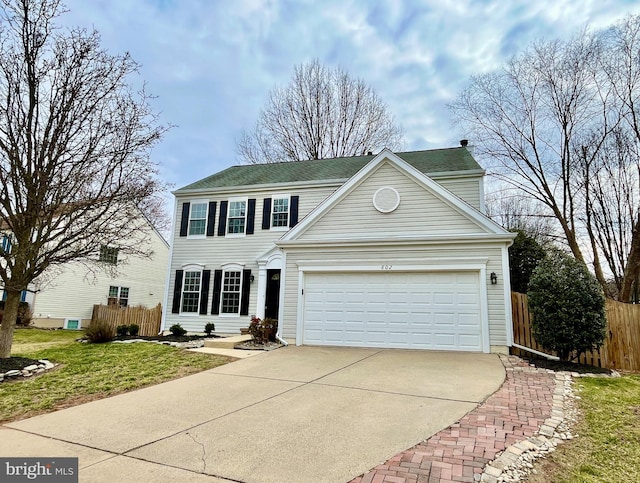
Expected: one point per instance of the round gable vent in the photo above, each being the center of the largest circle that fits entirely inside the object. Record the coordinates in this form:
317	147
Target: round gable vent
386	199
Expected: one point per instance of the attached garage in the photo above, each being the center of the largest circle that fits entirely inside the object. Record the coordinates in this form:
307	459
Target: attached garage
438	310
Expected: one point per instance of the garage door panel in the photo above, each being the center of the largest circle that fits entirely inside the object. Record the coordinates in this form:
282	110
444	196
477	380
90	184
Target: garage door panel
435	310
469	341
468	322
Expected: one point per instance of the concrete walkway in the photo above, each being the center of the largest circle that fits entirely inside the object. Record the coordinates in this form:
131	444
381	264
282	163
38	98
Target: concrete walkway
303	414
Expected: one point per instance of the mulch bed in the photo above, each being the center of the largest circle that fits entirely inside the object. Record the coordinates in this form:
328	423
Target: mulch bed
15	363
544	363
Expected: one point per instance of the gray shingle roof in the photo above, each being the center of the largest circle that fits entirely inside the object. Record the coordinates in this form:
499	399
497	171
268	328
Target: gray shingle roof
429	162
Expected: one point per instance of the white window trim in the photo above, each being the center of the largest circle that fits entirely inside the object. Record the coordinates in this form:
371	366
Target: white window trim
231	267
193	267
206	217
246	212
118	297
273	204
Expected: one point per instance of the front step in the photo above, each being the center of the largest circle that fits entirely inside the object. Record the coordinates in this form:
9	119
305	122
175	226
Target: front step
227	342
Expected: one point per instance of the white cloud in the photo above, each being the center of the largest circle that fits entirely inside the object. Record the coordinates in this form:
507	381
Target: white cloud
213	63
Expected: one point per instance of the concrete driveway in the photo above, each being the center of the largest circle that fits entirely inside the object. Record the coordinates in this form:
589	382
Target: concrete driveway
304	414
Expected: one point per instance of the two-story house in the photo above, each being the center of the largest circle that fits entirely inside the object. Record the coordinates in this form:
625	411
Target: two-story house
391	250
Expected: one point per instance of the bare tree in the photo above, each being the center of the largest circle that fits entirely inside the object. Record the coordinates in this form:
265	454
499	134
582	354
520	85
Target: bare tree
322	113
75	141
560	122
518	213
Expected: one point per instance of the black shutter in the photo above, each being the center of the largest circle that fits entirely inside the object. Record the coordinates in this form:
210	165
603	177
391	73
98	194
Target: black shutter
211	218
293	211
217	289
222	223
251	215
244	298
204	291
266	214
177	292
184	221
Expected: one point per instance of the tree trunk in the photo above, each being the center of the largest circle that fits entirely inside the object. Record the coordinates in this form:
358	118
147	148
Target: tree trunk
9	322
631	269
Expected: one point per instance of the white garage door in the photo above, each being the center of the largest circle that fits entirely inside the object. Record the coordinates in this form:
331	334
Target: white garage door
435	310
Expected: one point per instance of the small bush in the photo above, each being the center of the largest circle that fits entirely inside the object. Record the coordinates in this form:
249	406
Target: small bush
567	305
134	329
208	328
122	330
263	330
255	329
99	331
177	330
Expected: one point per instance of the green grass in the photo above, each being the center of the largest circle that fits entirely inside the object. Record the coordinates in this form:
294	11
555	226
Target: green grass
607	448
90	371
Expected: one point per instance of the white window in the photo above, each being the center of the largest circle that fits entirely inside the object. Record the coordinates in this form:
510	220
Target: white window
191	292
108	255
231	288
237	216
118	296
280	212
198	219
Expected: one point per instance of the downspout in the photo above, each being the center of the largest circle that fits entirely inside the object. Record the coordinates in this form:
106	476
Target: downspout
548	356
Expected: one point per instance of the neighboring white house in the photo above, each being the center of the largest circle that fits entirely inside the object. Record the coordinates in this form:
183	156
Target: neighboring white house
391	251
65	297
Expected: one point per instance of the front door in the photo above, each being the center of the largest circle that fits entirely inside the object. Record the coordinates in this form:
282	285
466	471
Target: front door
272	302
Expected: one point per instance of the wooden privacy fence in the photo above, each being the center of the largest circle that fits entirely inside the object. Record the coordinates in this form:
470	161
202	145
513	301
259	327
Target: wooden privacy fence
148	319
621	349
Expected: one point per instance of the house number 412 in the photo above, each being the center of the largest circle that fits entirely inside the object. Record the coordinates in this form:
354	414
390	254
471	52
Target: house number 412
386	267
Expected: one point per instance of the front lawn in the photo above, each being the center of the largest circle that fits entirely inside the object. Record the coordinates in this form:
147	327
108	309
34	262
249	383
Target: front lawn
607	448
90	371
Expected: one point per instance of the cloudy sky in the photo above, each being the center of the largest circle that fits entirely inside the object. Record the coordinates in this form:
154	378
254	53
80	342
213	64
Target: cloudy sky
211	63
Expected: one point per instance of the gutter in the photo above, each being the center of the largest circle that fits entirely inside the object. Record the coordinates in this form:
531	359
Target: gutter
548	356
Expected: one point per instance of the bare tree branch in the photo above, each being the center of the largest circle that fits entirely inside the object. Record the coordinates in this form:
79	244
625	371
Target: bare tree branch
560	121
75	140
321	114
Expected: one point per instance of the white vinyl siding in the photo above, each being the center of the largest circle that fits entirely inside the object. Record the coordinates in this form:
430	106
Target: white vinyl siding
214	252
467	189
357	217
65	292
420	212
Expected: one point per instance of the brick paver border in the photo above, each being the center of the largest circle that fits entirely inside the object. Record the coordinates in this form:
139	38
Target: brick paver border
459	453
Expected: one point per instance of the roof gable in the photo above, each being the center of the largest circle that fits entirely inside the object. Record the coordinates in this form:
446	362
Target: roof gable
429	162
428	194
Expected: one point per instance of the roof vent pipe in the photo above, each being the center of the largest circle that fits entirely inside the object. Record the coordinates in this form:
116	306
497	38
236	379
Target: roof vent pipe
464	143
370	153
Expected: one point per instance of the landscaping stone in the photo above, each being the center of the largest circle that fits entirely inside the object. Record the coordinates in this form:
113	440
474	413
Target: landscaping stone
31	370
498	442
192	344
